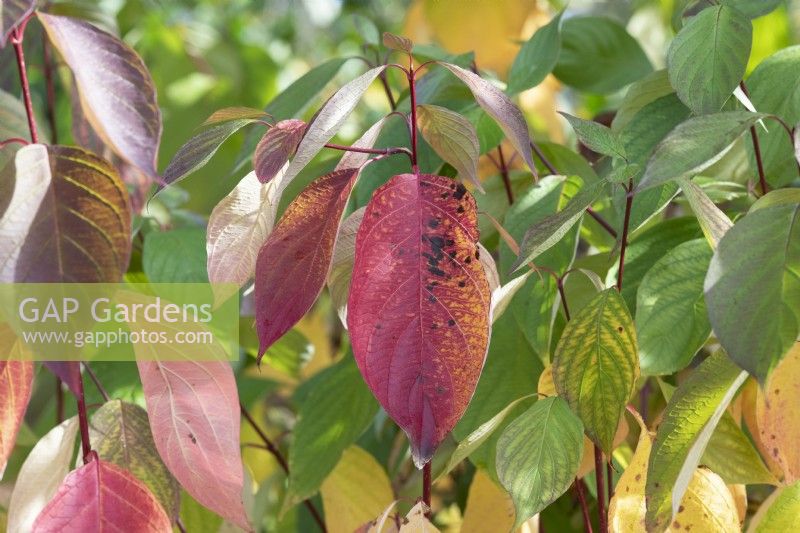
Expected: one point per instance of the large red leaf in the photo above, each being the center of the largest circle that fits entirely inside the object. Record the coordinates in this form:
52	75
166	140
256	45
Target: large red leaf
418	311
16	381
294	262
276	147
100	496
193	409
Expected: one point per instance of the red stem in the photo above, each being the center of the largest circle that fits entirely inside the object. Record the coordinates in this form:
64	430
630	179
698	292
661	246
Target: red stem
426	487
16	40
504	173
610	480
50	87
376	151
83	421
625	227
762	180
579	490
13	140
600	220
59	401
598	474
276	453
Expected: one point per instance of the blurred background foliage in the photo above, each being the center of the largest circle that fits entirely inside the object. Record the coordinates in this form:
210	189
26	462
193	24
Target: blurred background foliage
209	54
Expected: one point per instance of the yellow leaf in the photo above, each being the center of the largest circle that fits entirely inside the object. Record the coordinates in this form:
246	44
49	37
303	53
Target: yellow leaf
355	492
740	498
416	521
488	506
707	506
776	416
749	396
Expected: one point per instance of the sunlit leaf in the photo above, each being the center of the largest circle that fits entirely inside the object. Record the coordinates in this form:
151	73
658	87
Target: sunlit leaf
778	512
234	113
596	136
488	506
344	254
41	474
13	12
453	137
714	223
329	119
672	293
193	409
300	249
237	228
355	492
175	256
778	424
420	330
598	55
120	434
501	109
16	384
538	456
704	81
117	92
596	364
707	505
689	421
70	207
276	147
641	93
753	9
695	145
753	291
537	57
100	496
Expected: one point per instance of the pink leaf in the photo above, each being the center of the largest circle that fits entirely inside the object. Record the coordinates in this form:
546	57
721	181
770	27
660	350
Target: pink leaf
293	264
276	147
418	311
100	496
16	381
193	409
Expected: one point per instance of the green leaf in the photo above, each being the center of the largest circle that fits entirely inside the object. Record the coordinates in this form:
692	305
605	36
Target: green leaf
689	421
120	434
731	455
640	93
534	205
199	150
714	223
753	8
695	145
234	113
453	137
290	353
330	419
648	247
13	123
503	380
753	288
480	435
596	364
538	456
596	136
773	89
708	57
197	518
599	56
175	256
779	512
366	29
544	234
671	320
537	57
777	197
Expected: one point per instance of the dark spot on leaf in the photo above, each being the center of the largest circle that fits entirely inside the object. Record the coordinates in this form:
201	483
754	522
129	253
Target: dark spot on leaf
680	509
440	389
191	437
638	477
451	322
432	298
378	326
434	325
452	186
460	209
462	283
460	192
376	213
478	253
451	253
620	329
676	524
777	391
450	242
443	195
468	260
775	452
433	223
436	271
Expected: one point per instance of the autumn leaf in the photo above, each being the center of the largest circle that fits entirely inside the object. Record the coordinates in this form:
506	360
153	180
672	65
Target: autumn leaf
276	147
418	311
16	384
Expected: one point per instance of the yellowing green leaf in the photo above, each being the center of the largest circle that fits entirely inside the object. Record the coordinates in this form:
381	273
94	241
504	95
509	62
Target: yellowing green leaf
453	137
596	364
779	512
355	492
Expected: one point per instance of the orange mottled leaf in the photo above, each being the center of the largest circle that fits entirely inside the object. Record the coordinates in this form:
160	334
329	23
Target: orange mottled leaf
418	311
16	381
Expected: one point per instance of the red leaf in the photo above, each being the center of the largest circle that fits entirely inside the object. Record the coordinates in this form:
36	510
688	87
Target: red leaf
68	372
294	262
418	311
16	381
276	147
193	409
100	496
